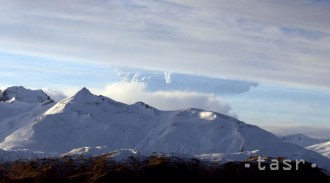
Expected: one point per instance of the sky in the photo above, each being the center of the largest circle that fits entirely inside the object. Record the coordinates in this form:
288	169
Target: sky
265	62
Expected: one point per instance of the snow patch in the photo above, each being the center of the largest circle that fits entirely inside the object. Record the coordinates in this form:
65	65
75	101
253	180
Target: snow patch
210	116
322	148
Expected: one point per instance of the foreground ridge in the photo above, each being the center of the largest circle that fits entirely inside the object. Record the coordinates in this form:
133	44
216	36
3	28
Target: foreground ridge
156	167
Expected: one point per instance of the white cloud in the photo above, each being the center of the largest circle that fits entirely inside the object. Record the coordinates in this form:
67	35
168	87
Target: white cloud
131	92
55	94
60	94
280	41
2	87
168	77
168	81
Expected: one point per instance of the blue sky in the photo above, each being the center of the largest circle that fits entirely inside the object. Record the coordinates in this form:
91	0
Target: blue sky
265	62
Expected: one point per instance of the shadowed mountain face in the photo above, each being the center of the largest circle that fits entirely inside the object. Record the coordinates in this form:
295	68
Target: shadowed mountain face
154	168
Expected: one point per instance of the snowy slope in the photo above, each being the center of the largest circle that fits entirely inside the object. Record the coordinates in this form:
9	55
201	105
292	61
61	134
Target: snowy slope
86	120
20	107
302	140
322	148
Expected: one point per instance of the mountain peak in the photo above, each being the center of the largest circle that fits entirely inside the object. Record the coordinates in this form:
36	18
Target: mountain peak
83	92
19	93
144	105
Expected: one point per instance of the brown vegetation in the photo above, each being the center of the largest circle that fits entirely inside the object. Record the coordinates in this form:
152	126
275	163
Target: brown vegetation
151	169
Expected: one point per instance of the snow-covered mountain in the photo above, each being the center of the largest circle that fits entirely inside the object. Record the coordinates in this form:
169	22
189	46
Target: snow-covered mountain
19	107
303	140
87	120
322	148
19	93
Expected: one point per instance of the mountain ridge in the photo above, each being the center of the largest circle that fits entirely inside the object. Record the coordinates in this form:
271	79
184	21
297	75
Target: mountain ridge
303	140
85	119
